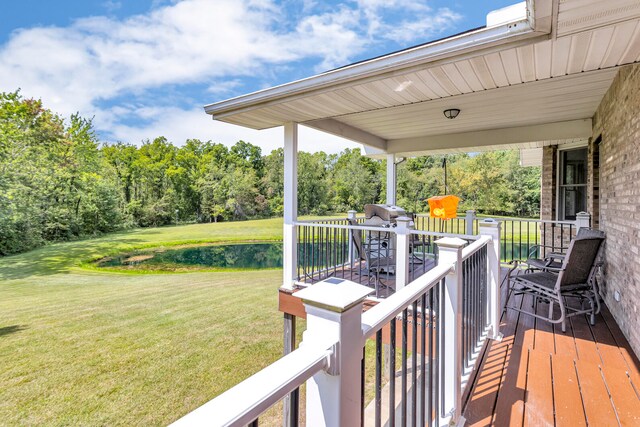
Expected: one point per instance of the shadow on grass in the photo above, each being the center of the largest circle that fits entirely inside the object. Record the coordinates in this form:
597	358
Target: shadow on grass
6	330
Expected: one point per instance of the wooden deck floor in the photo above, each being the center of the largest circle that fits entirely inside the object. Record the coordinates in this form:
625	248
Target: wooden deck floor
538	375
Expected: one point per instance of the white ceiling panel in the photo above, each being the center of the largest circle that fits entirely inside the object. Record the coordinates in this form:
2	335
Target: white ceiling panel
481	70
566	98
543	60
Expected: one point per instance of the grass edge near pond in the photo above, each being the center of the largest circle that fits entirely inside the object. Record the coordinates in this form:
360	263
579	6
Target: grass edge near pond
90	264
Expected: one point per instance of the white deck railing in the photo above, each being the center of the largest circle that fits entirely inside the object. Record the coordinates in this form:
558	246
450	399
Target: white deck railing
436	311
519	235
327	248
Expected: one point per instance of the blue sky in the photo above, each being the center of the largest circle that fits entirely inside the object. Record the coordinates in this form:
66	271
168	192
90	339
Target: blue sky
145	68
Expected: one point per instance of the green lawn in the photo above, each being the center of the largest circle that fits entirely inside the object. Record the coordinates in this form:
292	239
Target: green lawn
81	347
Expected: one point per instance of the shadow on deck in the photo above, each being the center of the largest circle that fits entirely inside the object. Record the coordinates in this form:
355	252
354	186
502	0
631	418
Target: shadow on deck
538	375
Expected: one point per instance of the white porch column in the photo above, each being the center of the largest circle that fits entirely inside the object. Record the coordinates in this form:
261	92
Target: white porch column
289	238
391	179
334	314
491	227
450	252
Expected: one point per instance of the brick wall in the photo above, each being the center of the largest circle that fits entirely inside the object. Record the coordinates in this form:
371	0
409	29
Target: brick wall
617	122
548	183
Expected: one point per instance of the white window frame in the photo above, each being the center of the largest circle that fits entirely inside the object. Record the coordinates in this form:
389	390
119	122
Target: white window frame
559	170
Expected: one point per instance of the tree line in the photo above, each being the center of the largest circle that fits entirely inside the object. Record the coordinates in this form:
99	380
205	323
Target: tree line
58	182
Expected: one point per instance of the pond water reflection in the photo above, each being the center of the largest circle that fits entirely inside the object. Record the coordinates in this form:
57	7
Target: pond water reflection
237	256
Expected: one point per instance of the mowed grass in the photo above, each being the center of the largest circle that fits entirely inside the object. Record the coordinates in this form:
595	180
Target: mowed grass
82	347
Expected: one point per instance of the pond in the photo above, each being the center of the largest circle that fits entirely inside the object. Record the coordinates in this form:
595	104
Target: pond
230	256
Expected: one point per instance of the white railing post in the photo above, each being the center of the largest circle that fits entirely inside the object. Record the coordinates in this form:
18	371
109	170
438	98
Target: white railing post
450	252
403	235
352	255
289	238
491	227
334	314
469	220
583	220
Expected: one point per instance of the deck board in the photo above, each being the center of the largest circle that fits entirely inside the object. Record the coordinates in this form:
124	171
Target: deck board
544	340
632	364
538	406
585	342
482	403
597	404
587	375
569	410
623	395
509	408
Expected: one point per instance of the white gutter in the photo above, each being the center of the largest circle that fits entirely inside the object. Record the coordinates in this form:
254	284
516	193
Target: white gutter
514	30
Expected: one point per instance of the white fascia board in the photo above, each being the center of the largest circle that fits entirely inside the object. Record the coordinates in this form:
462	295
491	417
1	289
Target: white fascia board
581	128
446	48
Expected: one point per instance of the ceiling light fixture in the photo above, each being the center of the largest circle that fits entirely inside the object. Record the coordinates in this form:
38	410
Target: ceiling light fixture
451	113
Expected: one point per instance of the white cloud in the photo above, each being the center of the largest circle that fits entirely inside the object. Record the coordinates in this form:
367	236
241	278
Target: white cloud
101	60
424	29
112	6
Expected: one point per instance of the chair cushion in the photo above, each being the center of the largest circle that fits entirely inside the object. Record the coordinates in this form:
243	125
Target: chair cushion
547	280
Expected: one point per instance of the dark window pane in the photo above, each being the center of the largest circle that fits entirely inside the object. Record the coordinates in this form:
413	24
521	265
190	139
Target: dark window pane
574	168
575	200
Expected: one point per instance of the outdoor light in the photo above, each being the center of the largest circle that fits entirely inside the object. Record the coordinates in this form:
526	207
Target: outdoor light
451	113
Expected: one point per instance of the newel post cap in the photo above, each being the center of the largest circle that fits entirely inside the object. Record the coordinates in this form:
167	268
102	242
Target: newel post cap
334	294
451	242
489	222
403	224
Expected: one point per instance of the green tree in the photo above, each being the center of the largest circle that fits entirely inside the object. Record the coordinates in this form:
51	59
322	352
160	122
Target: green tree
356	180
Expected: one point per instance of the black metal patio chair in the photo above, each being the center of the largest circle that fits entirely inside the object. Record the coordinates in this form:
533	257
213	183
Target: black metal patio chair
377	254
574	281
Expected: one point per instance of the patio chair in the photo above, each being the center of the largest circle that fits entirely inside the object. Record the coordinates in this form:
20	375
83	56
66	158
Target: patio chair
376	253
575	280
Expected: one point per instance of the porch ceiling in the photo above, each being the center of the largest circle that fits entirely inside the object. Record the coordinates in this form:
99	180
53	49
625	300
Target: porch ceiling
552	100
541	88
